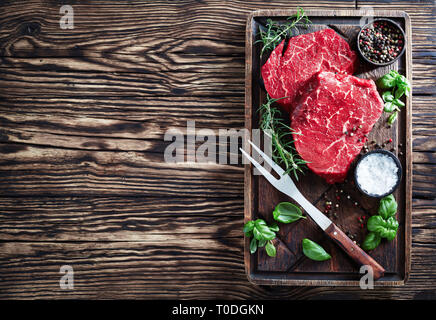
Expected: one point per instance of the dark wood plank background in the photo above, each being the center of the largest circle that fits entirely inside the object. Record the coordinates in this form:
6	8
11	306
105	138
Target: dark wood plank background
83	180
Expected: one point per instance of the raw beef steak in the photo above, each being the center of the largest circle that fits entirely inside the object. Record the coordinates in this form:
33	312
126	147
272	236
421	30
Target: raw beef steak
286	75
332	119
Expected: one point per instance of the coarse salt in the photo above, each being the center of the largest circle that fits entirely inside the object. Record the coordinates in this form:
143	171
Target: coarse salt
377	174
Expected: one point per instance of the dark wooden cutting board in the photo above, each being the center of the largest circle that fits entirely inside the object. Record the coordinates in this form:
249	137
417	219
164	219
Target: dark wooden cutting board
290	266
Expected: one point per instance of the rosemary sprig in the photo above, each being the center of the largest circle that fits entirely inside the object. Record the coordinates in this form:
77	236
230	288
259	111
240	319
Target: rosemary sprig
275	31
284	152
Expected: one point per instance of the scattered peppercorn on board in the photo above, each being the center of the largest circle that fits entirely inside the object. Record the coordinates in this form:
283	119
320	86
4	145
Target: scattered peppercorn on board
343	203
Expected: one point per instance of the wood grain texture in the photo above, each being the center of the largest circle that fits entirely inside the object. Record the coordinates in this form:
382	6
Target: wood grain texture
66	84
123	25
82	114
130	49
192	268
207	114
119	218
36	171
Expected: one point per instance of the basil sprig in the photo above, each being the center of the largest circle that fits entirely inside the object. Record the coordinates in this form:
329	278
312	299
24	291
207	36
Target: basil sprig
262	236
399	86
383	225
384	228
314	251
286	212
394	79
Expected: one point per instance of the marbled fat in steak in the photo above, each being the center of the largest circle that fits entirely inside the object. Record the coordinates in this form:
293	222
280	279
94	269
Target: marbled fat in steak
333	116
286	75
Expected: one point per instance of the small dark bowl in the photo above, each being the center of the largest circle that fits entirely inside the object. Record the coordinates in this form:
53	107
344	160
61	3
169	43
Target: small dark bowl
394	24
397	162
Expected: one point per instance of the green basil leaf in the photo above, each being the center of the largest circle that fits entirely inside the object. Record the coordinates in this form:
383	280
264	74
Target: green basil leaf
257	234
394	73
388	207
286	212
388	233
248	234
385	228
372	240
268	235
270	249
388	96
398	102
274	227
404	84
391	236
387	81
263	232
260	222
389	107
399	92
392	223
392	117
261	243
402	81
253	245
248	227
260	231
376	224
314	251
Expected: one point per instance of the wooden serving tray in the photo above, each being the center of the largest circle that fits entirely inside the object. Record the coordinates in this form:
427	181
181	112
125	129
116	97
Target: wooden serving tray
290	266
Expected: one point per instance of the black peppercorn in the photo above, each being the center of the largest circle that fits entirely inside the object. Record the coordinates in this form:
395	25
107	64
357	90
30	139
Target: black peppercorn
380	42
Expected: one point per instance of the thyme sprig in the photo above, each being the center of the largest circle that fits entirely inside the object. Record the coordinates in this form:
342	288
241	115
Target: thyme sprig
271	121
284	152
275	31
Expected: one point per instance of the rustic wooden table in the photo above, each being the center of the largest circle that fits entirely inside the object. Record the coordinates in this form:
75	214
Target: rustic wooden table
83	177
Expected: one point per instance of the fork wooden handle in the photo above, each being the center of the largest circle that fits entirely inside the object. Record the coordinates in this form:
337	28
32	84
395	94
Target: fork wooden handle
354	251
